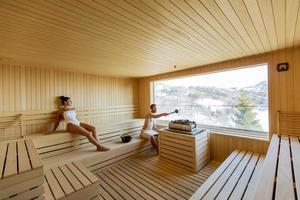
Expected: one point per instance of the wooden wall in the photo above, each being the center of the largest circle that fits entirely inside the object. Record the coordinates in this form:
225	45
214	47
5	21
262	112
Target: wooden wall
33	92
221	145
284	87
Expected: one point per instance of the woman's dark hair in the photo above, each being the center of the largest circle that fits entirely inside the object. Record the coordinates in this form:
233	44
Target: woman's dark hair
152	105
63	99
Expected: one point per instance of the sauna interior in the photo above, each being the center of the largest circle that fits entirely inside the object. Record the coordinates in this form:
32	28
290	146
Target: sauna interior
223	75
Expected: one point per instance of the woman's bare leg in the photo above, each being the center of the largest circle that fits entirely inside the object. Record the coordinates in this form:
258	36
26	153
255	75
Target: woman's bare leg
92	129
72	128
94	134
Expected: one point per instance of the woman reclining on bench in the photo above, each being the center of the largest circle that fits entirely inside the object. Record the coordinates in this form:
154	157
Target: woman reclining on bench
68	114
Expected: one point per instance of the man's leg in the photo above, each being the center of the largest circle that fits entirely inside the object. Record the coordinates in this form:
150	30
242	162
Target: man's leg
153	142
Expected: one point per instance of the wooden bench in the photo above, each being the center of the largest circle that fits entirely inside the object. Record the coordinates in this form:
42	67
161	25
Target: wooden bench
10	126
281	170
60	148
236	178
21	171
72	181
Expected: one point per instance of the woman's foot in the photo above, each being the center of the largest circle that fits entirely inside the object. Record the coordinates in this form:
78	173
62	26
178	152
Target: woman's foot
102	148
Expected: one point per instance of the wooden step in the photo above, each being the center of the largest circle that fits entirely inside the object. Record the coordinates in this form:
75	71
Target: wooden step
71	181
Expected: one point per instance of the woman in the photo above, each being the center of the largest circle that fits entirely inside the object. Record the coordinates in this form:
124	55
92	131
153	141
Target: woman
68	114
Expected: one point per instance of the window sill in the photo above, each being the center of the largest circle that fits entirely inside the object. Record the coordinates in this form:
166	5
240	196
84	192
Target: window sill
258	135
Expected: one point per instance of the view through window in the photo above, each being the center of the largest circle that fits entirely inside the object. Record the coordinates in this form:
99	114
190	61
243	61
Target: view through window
234	99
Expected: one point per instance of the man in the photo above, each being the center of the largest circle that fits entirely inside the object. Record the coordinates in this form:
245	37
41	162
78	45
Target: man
149	130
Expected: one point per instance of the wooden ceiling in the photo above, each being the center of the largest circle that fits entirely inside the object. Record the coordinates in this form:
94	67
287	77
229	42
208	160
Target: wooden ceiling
135	38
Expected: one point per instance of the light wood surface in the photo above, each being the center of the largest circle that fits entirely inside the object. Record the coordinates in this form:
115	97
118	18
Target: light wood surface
30	194
31	98
269	169
16	160
148	177
21	170
221	145
60	148
288	123
141	37
232	178
284	87
23	185
49	145
284	180
280	171
61	181
10	126
295	148
188	151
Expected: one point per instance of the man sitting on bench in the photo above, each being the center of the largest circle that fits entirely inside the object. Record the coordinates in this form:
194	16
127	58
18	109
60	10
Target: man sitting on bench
149	130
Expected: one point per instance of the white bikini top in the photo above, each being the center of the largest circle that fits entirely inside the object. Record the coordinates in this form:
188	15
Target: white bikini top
70	117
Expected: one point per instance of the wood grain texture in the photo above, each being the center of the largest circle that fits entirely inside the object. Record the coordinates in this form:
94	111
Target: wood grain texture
148	177
20	177
187	151
231	179
64	182
33	92
222	145
279	178
288	123
142	37
284	88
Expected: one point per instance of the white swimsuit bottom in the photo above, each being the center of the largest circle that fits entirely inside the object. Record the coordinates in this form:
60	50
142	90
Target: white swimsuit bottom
147	134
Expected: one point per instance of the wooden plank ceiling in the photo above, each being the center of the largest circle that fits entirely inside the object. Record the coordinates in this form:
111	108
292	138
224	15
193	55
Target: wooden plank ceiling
136	38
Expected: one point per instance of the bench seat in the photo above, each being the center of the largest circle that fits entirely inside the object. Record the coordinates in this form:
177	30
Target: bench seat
71	181
281	170
21	170
62	147
95	160
57	143
236	178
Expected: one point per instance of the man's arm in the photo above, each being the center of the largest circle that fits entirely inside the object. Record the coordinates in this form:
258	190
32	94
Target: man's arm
155	116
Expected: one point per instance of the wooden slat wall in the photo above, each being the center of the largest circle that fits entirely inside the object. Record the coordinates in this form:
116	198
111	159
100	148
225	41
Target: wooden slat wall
222	145
144	37
288	123
33	92
284	87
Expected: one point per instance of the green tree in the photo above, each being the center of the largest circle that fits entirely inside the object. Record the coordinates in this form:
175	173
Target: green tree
243	114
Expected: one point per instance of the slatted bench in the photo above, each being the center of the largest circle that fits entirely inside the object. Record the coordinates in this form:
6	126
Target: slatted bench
281	170
60	148
236	178
71	181
21	171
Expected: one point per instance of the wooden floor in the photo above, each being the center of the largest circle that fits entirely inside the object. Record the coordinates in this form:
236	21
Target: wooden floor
147	177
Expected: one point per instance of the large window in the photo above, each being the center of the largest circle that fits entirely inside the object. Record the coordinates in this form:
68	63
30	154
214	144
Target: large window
233	99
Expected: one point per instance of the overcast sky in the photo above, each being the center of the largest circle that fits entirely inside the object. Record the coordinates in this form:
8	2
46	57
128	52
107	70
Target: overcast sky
236	78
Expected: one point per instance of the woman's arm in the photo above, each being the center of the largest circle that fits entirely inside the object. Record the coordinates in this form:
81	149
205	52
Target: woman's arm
57	120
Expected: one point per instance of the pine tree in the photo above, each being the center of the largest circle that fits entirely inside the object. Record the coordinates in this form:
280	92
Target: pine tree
243	114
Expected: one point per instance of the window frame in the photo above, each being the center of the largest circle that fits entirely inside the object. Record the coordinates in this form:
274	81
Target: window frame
264	135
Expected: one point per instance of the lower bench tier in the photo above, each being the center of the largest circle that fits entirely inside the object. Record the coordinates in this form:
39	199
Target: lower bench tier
236	178
72	181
